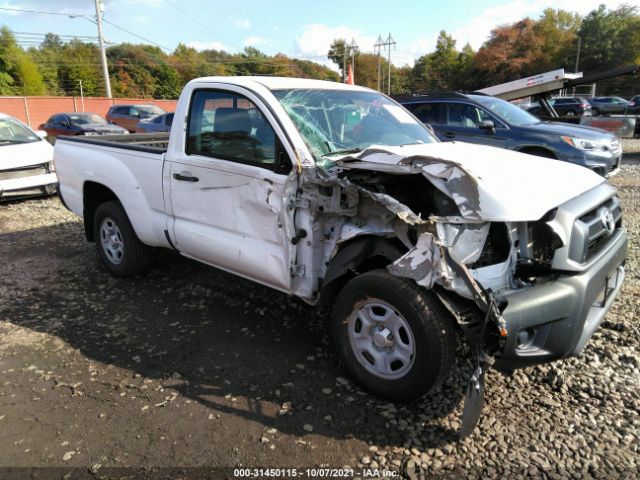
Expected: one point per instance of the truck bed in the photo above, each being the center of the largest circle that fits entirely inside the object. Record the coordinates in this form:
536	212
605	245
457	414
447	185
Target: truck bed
142	142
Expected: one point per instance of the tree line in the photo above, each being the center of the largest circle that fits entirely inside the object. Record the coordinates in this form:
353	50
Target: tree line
605	38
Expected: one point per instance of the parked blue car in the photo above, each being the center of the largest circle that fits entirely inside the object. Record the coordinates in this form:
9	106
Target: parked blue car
477	118
161	123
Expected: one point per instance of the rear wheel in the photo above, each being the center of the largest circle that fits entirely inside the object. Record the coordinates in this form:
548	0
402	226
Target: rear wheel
118	245
394	337
595	112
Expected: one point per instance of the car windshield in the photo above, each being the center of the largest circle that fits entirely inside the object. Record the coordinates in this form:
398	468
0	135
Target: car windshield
13	131
334	122
150	111
86	119
506	111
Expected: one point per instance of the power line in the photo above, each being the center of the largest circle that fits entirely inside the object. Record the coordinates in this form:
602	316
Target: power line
195	21
39	11
136	35
34	34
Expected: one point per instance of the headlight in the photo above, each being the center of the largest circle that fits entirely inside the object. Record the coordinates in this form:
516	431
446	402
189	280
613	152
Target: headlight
584	144
125	132
91	133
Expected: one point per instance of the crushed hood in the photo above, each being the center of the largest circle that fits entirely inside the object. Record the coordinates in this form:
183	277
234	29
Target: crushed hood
487	183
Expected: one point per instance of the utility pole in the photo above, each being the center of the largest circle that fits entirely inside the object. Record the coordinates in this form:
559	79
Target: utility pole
348	51
103	54
578	53
353	48
81	95
378	45
387	43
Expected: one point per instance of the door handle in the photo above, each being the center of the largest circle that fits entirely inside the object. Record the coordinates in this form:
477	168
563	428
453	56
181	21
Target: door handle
448	134
185	178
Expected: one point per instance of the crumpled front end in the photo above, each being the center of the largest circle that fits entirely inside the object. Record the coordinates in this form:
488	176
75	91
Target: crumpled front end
495	275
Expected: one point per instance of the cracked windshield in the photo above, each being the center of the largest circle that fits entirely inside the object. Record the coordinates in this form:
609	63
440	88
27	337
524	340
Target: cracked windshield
339	122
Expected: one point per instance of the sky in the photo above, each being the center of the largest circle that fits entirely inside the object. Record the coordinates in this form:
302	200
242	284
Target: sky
297	28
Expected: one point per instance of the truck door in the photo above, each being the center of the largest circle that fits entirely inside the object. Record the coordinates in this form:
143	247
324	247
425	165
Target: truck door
227	186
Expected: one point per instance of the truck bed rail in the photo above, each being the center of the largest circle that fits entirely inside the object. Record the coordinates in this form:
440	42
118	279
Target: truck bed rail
142	142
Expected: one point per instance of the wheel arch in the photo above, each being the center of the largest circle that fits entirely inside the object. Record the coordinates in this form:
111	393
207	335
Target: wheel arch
94	194
537	150
359	255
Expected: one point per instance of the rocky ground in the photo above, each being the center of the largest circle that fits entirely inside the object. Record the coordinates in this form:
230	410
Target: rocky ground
191	367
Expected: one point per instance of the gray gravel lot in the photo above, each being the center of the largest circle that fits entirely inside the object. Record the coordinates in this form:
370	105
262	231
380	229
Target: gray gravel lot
188	367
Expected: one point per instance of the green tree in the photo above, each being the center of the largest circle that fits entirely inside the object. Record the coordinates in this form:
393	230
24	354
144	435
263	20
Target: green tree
444	69
18	72
558	31
336	54
80	61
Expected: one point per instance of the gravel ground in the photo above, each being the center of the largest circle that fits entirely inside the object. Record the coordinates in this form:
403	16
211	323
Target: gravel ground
191	367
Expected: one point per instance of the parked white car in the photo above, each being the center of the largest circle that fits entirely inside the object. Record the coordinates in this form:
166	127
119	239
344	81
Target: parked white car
26	161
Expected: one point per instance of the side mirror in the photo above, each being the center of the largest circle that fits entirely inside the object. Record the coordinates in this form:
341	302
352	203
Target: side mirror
41	133
487	125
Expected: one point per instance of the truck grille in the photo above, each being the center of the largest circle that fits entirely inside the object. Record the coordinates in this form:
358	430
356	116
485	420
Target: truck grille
24	172
594	230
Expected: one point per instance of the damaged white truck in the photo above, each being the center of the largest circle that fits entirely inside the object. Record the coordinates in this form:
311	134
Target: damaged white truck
337	195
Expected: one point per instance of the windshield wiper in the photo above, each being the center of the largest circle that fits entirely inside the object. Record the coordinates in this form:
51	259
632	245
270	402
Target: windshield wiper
343	152
12	142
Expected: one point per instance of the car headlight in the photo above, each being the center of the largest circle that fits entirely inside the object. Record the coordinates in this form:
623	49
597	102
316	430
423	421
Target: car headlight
91	133
584	144
52	166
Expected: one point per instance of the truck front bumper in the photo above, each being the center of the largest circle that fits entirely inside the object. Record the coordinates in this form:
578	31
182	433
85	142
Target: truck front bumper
556	320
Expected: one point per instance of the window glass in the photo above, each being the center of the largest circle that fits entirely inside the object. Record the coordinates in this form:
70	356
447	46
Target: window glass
333	122
505	111
168	120
86	119
431	113
228	125
121	110
12	132
465	115
157	119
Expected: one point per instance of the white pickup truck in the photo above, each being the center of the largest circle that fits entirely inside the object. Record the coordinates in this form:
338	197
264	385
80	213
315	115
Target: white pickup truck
338	195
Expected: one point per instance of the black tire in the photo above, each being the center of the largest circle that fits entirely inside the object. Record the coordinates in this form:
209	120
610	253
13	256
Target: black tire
135	257
431	327
595	112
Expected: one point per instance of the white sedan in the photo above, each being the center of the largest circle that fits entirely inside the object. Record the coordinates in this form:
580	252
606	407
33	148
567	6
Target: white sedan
26	161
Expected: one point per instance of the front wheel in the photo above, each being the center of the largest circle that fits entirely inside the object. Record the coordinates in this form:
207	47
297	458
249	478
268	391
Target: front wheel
118	245
394	337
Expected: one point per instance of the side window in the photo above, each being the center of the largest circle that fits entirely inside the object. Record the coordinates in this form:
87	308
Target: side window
158	119
464	115
168	120
228	125
133	112
431	113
